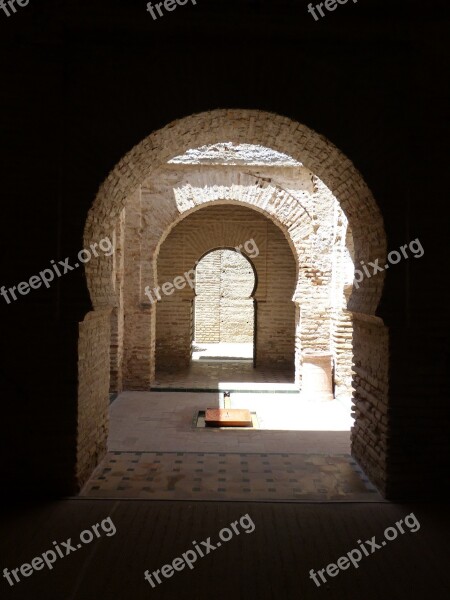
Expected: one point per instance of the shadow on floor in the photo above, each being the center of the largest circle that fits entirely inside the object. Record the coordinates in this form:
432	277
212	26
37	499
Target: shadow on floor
272	562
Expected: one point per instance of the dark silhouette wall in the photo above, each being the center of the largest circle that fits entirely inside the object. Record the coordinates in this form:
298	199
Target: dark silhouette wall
84	82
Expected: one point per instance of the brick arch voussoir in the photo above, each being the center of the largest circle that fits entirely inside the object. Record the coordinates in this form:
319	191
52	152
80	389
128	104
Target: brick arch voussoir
256	127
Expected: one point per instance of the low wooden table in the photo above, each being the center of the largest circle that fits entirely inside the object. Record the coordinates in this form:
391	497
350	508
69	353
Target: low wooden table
231	417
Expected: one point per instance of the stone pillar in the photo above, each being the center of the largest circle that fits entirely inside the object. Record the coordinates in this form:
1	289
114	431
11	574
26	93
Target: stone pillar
317	379
174	329
138	363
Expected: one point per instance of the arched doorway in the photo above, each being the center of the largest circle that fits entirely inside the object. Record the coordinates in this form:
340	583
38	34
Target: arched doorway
135	183
228	225
224	307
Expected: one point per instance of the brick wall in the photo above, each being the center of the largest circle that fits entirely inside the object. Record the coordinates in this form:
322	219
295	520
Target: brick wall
208	300
228	226
341	318
117	314
224	310
371	410
93	389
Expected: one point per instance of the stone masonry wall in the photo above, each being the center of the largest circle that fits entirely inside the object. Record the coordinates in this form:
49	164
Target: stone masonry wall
223	306
341	318
117	314
93	391
310	212
138	361
370	432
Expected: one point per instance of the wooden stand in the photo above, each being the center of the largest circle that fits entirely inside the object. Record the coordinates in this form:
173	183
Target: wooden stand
228	417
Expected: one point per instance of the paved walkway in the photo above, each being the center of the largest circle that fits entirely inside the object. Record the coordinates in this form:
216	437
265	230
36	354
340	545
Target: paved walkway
164	422
230	476
300	451
214	374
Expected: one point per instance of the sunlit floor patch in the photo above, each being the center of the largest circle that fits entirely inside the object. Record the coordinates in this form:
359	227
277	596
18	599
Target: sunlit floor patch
222	351
216	374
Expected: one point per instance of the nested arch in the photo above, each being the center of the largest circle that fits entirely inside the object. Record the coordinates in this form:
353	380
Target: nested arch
297	231
144	164
241	126
252	290
225	225
224	306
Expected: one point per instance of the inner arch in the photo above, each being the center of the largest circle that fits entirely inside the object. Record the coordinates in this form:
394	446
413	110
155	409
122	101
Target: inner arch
224	312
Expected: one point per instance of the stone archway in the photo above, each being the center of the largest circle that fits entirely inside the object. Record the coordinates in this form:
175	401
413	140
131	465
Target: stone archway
242	126
331	168
227	225
225	284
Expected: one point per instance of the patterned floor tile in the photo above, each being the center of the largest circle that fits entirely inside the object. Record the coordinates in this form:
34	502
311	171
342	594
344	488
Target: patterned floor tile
241	476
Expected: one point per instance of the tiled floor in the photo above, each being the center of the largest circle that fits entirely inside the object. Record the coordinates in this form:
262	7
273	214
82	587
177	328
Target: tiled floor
299	453
229	476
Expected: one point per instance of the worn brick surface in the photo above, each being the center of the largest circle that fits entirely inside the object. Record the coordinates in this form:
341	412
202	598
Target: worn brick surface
308	205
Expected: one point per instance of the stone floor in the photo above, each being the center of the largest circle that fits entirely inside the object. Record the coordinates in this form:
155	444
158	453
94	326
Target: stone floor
230	476
300	452
218	374
164	422
271	563
222	351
